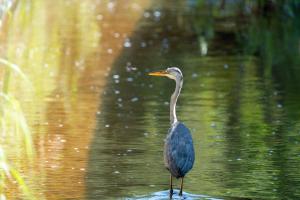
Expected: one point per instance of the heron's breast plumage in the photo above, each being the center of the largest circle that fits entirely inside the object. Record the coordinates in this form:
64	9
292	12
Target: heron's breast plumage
179	150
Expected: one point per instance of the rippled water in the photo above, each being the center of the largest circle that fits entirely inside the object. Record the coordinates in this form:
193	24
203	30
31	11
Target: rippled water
165	195
100	124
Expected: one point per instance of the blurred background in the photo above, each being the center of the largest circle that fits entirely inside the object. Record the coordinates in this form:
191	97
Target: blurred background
80	118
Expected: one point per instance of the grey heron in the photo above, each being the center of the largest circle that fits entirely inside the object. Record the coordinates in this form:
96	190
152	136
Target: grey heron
179	152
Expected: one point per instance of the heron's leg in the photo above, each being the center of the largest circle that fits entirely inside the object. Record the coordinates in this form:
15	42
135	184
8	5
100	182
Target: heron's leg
171	187
181	186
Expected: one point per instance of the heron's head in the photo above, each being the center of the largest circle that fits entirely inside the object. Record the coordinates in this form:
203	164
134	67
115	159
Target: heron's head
172	73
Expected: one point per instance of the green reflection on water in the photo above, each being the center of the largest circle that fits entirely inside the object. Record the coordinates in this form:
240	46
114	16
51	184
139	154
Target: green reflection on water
239	100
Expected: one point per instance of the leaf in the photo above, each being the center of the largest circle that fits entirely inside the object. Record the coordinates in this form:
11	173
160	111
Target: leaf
16	69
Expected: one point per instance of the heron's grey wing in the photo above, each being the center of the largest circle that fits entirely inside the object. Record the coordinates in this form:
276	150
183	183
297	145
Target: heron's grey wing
180	150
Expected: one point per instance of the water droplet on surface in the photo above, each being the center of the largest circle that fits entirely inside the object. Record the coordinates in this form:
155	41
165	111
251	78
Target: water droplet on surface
213	125
136	6
203	46
194	75
110	6
134	99
271	151
116	76
143	44
130	68
99	17
165	43
110	51
127	43
116	35
157	14
129	79
147	14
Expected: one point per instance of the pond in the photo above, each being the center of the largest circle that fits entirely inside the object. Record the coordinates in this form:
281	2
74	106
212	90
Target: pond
98	122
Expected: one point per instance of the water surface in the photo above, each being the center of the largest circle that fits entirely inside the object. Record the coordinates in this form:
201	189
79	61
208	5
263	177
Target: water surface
99	121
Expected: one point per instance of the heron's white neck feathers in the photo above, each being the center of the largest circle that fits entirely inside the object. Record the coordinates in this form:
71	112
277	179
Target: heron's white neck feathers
174	97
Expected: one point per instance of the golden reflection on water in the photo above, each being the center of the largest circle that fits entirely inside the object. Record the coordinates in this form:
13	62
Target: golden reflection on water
65	48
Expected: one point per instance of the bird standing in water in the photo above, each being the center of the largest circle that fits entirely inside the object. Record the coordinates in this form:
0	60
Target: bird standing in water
179	153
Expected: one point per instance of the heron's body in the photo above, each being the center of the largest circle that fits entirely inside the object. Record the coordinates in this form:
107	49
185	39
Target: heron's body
179	150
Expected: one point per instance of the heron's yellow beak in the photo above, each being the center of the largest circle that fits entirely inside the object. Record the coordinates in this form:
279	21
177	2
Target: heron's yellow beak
158	73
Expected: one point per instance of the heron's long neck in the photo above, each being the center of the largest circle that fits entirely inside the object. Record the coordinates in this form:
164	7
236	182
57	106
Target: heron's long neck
174	97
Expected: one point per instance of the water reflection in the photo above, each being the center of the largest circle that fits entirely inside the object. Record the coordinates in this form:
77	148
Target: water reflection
98	122
234	111
66	49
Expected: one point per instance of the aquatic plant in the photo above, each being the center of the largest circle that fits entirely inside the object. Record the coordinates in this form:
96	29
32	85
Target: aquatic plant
7	172
14	130
13	121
